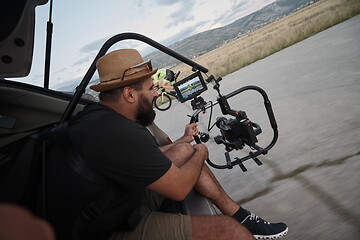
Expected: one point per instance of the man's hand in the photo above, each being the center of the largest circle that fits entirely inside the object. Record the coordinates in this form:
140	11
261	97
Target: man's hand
188	137
190	131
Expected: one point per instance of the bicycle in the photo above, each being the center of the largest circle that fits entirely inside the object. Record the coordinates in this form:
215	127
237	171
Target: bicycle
164	100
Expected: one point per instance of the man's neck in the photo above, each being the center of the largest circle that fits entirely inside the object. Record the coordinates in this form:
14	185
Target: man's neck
123	110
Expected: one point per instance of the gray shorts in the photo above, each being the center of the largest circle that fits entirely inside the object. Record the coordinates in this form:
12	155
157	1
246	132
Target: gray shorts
156	225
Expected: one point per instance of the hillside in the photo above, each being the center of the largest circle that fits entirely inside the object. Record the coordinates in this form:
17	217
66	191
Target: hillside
206	41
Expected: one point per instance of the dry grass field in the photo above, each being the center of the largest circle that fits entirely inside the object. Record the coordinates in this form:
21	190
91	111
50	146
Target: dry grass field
275	36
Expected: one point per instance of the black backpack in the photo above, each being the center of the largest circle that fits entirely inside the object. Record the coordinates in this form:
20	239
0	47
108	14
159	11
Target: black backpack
21	169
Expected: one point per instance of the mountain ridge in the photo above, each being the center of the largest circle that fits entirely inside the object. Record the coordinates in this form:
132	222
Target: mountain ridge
206	41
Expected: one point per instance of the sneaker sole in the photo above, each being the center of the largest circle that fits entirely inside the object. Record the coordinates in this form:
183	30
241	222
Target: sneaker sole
275	236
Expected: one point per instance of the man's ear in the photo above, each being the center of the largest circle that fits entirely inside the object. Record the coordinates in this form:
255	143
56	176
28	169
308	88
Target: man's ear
130	94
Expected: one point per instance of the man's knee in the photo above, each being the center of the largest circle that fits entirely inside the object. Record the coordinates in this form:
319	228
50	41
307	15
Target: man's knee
180	153
185	147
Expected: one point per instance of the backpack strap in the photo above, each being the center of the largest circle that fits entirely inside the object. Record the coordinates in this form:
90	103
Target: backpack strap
61	137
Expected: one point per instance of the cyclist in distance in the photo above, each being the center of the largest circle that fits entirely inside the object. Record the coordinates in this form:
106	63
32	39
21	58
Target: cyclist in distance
164	78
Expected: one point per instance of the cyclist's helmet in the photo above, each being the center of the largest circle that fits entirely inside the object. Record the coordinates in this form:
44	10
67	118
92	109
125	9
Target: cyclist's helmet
170	75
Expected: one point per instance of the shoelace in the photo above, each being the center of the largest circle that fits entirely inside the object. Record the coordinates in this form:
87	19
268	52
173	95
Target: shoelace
255	218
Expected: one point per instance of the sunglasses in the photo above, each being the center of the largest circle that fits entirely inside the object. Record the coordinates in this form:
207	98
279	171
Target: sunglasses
128	72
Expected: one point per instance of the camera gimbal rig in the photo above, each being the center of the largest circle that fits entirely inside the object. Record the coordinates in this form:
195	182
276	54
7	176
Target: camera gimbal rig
237	132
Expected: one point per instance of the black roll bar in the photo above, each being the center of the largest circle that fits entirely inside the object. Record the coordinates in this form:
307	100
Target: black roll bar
80	89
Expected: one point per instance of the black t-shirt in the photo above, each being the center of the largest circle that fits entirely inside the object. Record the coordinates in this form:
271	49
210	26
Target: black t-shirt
122	151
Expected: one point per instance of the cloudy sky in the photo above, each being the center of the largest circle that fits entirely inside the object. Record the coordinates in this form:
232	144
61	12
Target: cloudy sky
82	26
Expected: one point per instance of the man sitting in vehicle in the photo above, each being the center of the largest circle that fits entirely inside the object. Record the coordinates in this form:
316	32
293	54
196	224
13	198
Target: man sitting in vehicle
135	174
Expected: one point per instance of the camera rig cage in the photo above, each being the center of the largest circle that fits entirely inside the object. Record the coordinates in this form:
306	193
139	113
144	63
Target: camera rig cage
236	132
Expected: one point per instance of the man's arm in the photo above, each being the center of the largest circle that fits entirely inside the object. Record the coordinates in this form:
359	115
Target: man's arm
177	182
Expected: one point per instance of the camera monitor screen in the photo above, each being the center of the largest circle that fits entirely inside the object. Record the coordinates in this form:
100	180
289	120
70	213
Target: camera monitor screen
190	87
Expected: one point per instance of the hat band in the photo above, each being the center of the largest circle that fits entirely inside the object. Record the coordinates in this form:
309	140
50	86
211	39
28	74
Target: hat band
148	67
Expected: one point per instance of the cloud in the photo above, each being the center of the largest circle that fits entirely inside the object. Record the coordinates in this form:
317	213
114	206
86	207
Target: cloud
227	17
60	70
68	85
86	59
168	2
238	10
184	33
243	6
94	46
140	4
91	50
183	14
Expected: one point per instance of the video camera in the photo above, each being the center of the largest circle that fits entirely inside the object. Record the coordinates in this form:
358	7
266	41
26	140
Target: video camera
235	133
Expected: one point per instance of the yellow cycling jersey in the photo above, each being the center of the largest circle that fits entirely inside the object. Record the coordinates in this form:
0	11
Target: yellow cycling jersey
159	77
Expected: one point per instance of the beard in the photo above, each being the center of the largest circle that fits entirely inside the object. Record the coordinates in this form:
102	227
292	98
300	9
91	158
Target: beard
146	114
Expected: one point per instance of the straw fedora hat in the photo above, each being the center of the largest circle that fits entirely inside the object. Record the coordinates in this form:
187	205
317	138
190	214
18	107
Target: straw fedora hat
121	68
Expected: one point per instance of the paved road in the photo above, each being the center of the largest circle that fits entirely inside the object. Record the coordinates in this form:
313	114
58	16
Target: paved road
311	178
